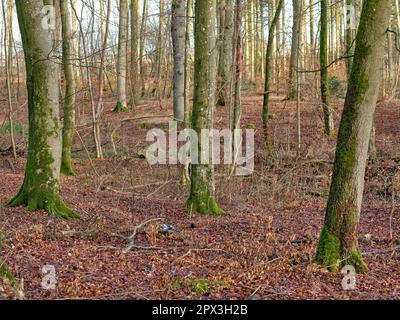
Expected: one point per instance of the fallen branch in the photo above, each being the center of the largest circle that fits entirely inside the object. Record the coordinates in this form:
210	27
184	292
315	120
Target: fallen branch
137	230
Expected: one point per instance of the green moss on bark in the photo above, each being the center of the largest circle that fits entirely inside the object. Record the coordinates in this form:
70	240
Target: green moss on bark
48	200
120	107
66	165
40	189
357	261
204	205
328	252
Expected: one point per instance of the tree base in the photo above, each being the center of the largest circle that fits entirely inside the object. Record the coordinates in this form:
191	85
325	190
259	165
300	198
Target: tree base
49	201
66	169
328	251
329	255
206	206
120	108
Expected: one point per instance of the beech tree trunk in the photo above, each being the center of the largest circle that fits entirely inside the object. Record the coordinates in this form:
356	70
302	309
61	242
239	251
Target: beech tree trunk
328	119
8	66
178	32
135	51
294	56
225	57
268	73
338	244
202	191
69	99
121	64
40	189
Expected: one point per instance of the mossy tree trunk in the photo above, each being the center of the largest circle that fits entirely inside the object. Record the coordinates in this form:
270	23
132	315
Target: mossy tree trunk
40	189
202	191
328	119
122	49
178	32
267	87
69	100
294	55
338	243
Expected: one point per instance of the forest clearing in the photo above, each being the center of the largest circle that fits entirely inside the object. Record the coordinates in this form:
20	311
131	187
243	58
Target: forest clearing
83	213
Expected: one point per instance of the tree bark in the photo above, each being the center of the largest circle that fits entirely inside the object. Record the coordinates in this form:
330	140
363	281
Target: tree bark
178	40
269	67
135	51
143	30
8	66
69	99
338	243
328	119
40	189
294	56
202	191
121	64
225	57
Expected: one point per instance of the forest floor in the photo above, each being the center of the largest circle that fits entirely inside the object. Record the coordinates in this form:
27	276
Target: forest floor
264	250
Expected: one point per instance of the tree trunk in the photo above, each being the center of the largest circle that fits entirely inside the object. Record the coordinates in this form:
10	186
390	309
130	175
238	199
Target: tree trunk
328	119
40	189
202	192
69	99
122	46
187	63
98	112
8	66
143	30
135	51
225	58
294	56
269	67
160	51
178	40
338	243
238	57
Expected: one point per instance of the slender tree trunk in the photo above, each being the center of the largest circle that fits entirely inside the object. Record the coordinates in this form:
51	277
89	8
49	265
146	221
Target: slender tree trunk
178	41
187	63
40	189
99	110
225	58
202	191
269	67
69	99
8	58
328	119
294	56
238	54
122	54
338	244
135	52
251	40
262	34
160	51
143	30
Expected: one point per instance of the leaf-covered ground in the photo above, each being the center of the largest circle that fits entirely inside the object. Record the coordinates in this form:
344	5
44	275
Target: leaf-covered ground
264	250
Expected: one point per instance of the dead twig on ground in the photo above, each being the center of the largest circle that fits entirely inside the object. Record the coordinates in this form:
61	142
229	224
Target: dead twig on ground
137	230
